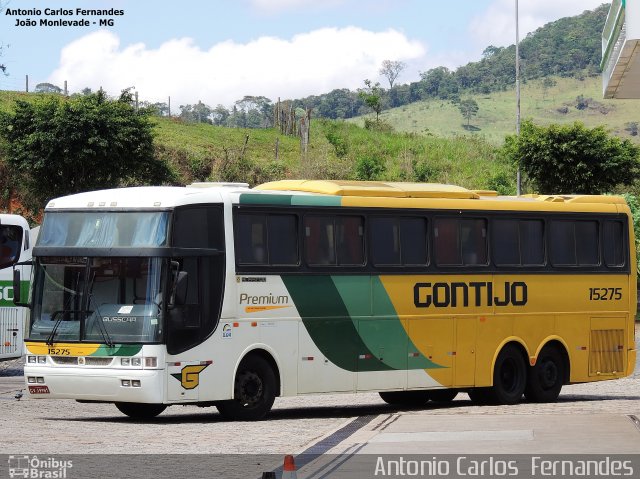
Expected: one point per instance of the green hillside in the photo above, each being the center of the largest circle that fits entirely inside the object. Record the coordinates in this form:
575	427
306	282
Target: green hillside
497	111
337	150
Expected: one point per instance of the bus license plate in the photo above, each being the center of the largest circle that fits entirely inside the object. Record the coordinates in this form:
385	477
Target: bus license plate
39	389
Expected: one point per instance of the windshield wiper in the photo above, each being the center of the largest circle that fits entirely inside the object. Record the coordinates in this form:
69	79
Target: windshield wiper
61	313
101	326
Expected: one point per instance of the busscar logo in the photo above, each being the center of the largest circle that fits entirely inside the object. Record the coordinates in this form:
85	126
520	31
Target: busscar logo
27	467
189	376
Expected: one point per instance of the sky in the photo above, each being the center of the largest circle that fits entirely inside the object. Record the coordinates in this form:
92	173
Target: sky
217	51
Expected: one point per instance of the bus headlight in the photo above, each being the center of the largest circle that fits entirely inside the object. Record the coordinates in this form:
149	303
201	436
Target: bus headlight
32	359
136	362
42	359
125	361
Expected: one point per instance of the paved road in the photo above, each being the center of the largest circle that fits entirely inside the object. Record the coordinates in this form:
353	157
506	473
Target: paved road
593	417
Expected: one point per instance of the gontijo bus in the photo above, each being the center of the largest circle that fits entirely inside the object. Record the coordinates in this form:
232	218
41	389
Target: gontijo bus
221	295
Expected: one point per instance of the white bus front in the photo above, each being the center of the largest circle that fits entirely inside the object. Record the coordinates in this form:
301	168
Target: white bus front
116	300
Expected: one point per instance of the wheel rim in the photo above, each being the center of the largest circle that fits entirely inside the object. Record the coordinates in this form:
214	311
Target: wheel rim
250	388
548	374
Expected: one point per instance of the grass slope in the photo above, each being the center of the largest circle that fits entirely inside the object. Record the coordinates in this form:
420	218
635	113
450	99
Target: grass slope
200	152
497	111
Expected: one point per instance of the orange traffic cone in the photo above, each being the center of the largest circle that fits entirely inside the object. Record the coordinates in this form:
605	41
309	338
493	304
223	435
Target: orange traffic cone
289	468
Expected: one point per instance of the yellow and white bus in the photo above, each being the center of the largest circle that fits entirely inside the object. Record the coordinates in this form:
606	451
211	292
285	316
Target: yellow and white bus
221	295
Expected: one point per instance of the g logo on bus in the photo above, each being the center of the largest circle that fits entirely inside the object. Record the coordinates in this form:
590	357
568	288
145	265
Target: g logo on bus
189	376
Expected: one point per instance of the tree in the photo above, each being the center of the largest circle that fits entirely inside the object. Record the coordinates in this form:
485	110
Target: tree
47	88
573	158
372	96
58	146
469	108
391	70
547	83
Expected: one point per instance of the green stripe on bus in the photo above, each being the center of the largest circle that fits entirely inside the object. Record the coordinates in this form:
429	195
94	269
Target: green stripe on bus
289	200
118	350
395	332
328	322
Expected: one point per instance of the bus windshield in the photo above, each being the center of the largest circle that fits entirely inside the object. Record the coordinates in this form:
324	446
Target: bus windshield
107	300
104	229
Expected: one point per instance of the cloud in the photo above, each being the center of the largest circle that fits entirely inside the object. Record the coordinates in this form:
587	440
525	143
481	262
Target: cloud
496	25
308	63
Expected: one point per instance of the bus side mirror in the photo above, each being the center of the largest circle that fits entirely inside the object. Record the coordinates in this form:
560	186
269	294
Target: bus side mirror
17	292
16	286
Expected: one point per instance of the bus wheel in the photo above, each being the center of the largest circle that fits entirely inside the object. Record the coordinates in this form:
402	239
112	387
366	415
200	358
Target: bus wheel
509	377
405	398
254	391
545	379
139	410
442	395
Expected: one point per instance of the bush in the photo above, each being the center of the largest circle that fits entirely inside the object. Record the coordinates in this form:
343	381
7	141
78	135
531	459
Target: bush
369	168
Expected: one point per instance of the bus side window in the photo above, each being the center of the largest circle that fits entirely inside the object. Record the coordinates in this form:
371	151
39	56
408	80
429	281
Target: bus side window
283	240
614	244
251	239
319	240
574	243
10	244
447	242
350	234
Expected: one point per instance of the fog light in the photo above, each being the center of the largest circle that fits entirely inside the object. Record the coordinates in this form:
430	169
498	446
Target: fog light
42	359
32	359
136	362
135	383
150	362
125	361
40	380
126	383
31	379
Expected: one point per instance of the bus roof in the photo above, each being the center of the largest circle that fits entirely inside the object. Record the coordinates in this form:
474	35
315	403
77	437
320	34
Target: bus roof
419	190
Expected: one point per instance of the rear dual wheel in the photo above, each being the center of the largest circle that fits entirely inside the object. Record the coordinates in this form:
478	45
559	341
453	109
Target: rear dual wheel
509	379
546	377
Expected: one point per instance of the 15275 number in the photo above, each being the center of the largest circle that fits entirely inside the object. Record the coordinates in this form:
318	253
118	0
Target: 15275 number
605	294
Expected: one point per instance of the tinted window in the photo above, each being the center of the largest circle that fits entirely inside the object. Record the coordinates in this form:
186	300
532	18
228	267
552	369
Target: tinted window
10	244
198	227
398	241
518	242
614	243
266	239
460	241
335	240
574	243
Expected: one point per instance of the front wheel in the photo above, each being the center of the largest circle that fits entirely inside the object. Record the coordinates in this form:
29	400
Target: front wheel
139	410
545	379
254	391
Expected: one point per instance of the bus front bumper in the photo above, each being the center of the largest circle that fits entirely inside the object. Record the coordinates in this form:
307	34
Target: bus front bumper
87	384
